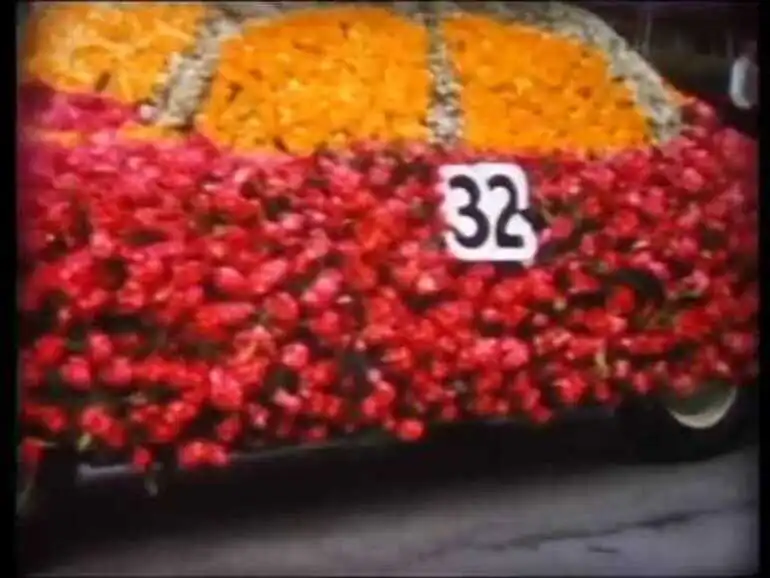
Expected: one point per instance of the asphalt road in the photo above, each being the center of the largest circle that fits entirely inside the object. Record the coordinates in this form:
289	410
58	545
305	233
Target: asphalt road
498	502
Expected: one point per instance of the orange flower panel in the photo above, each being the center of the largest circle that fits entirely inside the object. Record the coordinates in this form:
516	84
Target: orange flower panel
522	88
317	77
121	52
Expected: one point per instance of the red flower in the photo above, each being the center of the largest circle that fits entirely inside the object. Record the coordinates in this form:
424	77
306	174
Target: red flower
268	276
571	388
693	324
283	308
226	391
410	429
96	421
641	383
118	372
584	347
601	323
49	350
653	208
231	283
691	180
742	344
622	301
199	453
141	459
100	348
229	429
560	228
541	414
54	419
328	325
295	356
324	290
515	353
31	452
76	371
624	224
316	433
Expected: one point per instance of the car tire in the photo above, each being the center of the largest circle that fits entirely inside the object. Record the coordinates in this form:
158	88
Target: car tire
40	490
716	419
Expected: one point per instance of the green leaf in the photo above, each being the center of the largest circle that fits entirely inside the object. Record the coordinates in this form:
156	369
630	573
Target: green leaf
84	442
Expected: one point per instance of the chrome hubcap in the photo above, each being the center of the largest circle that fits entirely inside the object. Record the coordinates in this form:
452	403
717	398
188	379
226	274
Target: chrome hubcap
705	408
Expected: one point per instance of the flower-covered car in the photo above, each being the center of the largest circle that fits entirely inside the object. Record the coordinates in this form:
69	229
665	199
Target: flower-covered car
334	241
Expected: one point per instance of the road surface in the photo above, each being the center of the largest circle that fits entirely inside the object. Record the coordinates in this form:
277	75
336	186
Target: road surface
564	502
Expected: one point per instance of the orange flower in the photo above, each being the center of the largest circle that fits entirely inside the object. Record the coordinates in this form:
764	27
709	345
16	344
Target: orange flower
320	76
120	51
525	88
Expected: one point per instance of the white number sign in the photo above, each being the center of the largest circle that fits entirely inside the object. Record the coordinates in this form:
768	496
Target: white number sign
483	205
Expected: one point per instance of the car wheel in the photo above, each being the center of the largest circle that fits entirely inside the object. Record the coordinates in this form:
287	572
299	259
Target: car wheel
25	491
715	419
40	489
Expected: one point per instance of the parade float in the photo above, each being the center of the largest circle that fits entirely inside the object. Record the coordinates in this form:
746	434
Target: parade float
250	224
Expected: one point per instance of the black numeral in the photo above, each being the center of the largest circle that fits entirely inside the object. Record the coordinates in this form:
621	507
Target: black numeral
510	210
471	210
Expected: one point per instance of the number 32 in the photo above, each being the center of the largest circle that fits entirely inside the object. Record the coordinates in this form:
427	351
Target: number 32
483	206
